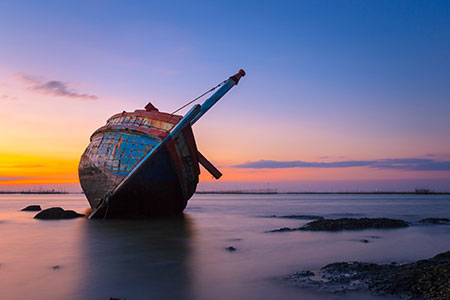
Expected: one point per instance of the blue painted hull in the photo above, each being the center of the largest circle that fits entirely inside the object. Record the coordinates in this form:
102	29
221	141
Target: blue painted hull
162	185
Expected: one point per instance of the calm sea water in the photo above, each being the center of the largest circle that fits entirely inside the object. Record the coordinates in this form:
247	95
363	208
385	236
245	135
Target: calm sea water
186	258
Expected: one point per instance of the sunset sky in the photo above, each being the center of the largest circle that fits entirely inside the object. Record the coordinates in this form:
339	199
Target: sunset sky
339	95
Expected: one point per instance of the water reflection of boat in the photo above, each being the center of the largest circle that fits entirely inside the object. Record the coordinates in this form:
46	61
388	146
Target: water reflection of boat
145	163
137	259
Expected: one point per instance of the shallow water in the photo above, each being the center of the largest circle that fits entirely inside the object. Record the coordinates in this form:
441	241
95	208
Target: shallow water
186	258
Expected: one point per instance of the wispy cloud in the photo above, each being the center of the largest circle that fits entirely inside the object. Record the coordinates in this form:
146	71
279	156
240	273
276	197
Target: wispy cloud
6	97
410	164
53	87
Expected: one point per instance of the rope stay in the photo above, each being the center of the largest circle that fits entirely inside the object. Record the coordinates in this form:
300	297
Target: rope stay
207	92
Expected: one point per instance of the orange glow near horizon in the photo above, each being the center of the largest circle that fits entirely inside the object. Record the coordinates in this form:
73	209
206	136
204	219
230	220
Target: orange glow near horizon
33	169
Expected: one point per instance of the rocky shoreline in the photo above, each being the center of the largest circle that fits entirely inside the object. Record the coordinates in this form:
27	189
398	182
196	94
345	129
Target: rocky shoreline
423	279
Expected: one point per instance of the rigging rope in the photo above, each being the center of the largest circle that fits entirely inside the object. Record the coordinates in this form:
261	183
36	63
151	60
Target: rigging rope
192	101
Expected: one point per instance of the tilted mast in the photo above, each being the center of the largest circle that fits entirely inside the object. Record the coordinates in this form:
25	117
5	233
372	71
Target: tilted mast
232	81
189	119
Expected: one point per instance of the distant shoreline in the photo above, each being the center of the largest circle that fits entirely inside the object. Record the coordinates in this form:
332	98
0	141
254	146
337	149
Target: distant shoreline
320	193
36	192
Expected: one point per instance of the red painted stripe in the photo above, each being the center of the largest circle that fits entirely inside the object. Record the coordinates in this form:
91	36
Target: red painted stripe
160	116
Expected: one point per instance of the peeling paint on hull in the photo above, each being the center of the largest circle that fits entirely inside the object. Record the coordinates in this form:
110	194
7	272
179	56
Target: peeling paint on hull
162	187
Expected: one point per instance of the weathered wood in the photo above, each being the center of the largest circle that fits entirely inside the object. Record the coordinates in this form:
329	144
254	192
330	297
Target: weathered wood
209	166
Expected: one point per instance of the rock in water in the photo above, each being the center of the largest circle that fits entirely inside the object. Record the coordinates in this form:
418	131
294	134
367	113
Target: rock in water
440	221
428	278
284	229
353	224
57	213
347	224
305	273
298	217
32	208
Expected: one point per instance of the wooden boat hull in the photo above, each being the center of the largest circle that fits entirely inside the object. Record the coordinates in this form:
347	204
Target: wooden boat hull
162	186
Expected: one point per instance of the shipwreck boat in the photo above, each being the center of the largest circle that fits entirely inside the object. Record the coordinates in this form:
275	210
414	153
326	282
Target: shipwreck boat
145	163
